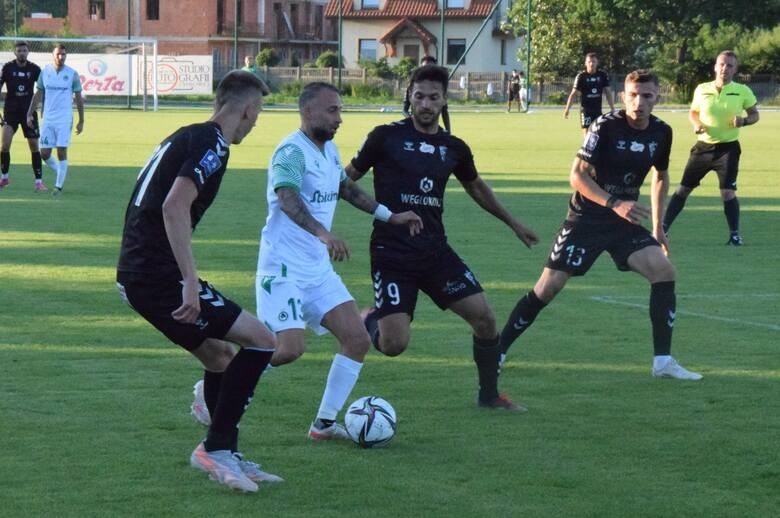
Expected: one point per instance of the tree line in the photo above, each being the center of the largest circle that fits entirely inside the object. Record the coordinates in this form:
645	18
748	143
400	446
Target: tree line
678	39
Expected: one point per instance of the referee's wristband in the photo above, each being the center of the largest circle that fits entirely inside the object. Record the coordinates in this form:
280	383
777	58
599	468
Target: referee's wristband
611	201
382	213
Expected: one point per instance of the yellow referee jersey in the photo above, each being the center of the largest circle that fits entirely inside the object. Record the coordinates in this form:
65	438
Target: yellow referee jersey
718	109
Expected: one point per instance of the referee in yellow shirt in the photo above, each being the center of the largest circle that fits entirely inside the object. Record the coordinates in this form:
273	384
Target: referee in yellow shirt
719	108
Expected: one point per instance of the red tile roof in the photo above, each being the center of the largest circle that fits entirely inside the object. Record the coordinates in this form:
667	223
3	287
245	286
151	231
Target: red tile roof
422	33
409	8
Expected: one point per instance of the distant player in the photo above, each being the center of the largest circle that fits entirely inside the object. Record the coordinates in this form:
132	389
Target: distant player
592	84
19	77
604	215
718	110
60	86
157	274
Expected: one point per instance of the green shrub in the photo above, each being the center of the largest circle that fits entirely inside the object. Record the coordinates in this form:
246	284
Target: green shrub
329	59
557	98
368	91
267	57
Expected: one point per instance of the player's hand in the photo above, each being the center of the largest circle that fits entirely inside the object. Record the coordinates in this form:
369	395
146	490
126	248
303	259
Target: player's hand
526	235
565	114
409	218
337	247
79	127
189	310
631	211
662	239
30	122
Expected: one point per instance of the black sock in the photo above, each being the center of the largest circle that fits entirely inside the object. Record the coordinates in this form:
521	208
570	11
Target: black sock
37	165
731	209
663	307
676	204
372	326
486	354
520	319
5	161
236	391
212	381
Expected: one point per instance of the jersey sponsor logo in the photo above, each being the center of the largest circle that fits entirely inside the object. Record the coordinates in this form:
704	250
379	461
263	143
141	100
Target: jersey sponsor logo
426	184
210	162
319	197
416	199
629	178
637	147
427	148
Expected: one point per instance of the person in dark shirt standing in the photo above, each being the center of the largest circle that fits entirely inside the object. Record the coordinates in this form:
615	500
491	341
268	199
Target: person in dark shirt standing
592	84
158	278
412	160
19	77
604	216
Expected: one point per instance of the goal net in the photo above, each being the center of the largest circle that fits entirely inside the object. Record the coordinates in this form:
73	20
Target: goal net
114	72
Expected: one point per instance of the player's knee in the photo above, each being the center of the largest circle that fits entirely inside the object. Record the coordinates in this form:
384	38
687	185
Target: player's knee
484	324
683	191
392	346
288	354
663	271
355	346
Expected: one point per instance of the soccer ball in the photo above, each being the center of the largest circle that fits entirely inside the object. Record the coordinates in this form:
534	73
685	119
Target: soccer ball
370	421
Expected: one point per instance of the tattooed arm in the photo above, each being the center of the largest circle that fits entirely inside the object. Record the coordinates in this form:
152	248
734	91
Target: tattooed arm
292	205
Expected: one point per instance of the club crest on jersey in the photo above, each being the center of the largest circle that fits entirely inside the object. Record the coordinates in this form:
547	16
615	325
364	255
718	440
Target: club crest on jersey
210	162
427	148
426	184
652	146
408	146
443	153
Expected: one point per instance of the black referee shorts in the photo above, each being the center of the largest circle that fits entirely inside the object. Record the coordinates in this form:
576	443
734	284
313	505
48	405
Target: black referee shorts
723	158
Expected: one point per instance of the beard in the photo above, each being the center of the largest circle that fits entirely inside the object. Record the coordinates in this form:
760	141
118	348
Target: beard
322	134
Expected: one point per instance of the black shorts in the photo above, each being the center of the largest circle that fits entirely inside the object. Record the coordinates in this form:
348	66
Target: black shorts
514	94
722	158
441	275
578	244
156	301
15	119
587	118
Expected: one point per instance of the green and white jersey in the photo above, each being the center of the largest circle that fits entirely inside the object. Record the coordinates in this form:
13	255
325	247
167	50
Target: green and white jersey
58	87
287	250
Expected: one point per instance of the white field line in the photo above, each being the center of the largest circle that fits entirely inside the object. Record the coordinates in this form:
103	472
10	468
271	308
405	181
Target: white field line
773	327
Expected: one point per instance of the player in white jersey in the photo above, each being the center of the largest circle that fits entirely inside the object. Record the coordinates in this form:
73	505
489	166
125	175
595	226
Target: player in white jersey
296	285
59	85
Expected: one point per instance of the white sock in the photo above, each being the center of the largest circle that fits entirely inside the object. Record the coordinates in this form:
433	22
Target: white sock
5	176
62	172
52	163
660	361
342	377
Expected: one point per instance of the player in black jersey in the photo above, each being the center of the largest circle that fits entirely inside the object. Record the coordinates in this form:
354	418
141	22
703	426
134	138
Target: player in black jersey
157	275
604	215
592	84
19	77
412	161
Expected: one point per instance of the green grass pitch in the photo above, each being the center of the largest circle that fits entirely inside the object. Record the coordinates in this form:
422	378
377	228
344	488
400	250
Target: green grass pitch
94	403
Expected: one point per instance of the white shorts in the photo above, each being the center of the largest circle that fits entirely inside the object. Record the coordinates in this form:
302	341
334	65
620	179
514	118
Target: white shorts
55	134
286	303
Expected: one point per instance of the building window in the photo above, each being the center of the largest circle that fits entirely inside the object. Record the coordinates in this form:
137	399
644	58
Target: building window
152	9
97	9
455	49
367	50
503	52
369	4
456	4
240	13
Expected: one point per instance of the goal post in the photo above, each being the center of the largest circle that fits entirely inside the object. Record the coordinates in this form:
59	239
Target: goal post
114	71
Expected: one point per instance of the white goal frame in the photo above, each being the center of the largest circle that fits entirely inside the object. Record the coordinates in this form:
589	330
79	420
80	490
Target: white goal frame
141	83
